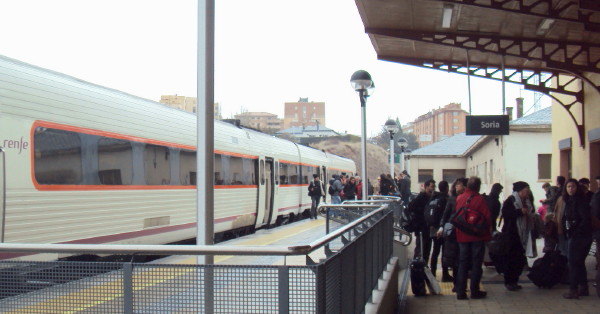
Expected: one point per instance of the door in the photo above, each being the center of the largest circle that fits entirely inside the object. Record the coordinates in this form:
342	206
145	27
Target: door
265	191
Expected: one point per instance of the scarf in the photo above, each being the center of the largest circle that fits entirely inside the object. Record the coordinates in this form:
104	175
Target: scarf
524	222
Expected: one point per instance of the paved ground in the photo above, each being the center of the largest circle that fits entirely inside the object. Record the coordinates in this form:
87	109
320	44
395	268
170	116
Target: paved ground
529	300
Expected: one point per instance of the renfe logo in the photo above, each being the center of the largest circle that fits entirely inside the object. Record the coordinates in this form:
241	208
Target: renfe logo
16	144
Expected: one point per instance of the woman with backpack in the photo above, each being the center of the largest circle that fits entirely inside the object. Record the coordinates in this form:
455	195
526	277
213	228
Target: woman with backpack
517	211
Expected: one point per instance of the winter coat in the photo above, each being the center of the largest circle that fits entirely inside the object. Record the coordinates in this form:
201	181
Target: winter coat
576	218
350	191
316	188
477	203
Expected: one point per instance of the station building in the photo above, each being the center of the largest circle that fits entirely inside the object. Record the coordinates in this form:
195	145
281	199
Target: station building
523	155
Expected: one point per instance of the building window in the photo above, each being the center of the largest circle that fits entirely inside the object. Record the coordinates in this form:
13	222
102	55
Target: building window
455	120
544	166
455	113
455	127
425	174
187	167
450	175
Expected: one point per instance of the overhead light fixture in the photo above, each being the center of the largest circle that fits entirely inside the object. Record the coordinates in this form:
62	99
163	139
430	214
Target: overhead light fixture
447	15
545	25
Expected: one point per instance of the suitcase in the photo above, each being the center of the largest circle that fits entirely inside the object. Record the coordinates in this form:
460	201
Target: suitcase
418	277
548	270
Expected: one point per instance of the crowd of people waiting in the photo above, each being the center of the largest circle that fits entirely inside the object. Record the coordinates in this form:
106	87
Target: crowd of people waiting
568	220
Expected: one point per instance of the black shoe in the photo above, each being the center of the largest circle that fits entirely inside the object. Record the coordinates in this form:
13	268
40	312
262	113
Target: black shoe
511	287
453	289
478	294
447	278
462	296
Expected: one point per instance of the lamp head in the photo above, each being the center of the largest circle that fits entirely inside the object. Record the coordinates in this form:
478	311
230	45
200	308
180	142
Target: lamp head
402	142
361	80
391	126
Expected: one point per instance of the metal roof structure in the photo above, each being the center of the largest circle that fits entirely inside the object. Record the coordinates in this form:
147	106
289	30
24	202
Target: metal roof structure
546	45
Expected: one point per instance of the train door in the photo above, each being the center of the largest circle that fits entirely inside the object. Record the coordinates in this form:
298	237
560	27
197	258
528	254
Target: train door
265	192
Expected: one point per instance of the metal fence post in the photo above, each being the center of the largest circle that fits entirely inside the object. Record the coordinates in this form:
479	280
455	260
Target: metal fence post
284	289
128	288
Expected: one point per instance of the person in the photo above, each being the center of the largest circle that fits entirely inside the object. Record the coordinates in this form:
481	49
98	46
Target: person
350	189
577	225
450	248
417	206
440	199
597	183
595	212
336	187
584	185
370	188
385	186
542	210
405	187
393	186
493	202
472	248
554	193
358	190
316	190
517	211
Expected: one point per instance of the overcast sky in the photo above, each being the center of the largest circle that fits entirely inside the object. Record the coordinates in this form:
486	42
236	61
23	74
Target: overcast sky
268	52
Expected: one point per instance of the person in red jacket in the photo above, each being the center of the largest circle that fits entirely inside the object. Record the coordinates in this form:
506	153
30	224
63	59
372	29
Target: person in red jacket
472	248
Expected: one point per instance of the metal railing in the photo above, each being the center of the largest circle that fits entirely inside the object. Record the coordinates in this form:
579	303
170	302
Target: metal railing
340	283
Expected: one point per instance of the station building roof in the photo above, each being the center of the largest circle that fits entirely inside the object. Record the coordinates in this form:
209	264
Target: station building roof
454	146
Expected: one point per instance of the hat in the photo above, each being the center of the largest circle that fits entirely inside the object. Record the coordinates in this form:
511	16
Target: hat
404	171
315	175
519	185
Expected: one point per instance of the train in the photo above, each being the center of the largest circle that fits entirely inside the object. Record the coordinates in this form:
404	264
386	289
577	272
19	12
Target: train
83	163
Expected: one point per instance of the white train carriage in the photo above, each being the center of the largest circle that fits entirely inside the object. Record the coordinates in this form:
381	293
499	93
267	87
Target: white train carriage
89	164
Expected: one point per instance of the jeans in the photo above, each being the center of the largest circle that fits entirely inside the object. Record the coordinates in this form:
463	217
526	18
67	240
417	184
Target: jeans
336	199
426	245
470	252
578	249
313	208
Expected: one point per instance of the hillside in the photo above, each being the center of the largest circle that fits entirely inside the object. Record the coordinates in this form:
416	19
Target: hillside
377	158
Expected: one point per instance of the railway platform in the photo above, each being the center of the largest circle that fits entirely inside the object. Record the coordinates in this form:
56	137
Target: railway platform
530	299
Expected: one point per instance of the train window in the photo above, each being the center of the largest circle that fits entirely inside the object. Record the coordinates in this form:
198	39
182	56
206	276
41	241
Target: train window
115	161
283	177
187	167
57	156
294	174
219	180
262	172
157	167
249	172
236	166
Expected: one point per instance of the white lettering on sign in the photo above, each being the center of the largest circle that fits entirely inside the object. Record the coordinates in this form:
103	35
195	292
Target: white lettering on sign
490	125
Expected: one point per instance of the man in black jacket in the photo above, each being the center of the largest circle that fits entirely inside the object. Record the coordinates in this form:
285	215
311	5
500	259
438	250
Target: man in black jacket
316	190
422	234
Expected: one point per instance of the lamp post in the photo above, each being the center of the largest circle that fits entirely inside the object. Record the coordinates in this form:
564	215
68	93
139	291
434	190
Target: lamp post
363	84
392	127
403	143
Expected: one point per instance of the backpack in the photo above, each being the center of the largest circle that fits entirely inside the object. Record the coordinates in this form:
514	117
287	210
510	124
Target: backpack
469	221
330	190
408	220
433	212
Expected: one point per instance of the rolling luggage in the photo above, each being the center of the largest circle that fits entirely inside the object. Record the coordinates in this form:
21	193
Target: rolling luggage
421	276
548	270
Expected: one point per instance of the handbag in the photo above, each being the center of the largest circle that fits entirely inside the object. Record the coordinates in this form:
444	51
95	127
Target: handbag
499	244
469	221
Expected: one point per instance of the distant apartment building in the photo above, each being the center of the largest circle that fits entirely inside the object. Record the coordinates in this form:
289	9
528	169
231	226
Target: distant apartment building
439	124
303	113
188	104
263	121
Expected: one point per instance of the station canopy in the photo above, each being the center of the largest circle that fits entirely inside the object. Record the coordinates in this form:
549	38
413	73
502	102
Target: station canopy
549	46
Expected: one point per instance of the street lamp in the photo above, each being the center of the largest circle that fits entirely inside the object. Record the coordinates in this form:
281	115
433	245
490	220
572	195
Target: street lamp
392	127
403	143
407	151
363	84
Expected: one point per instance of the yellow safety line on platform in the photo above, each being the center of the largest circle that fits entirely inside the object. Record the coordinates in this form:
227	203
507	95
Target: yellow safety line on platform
446	287
266	239
112	290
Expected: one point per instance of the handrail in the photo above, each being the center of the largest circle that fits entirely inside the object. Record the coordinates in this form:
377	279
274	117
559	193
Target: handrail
280	250
406	233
